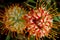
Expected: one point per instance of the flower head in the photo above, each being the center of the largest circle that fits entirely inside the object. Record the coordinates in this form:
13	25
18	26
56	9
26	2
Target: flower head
39	22
13	18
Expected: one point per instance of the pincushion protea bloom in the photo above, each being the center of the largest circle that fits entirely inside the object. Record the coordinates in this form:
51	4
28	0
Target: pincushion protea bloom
38	22
13	18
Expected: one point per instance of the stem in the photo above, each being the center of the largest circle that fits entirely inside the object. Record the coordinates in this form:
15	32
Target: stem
37	4
28	6
53	15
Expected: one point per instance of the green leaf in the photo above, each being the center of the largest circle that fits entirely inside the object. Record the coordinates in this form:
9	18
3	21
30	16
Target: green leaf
0	23
8	36
31	1
52	0
56	19
59	17
32	6
2	6
32	38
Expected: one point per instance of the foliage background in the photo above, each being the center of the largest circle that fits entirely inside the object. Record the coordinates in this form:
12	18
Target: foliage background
4	3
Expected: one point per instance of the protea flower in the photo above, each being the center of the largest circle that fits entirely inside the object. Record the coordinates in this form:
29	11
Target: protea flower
38	22
13	18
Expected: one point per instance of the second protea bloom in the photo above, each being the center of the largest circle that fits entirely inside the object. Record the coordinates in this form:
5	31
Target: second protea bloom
38	22
13	18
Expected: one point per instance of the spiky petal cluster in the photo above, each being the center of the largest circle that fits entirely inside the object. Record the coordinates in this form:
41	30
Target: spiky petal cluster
13	18
38	22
